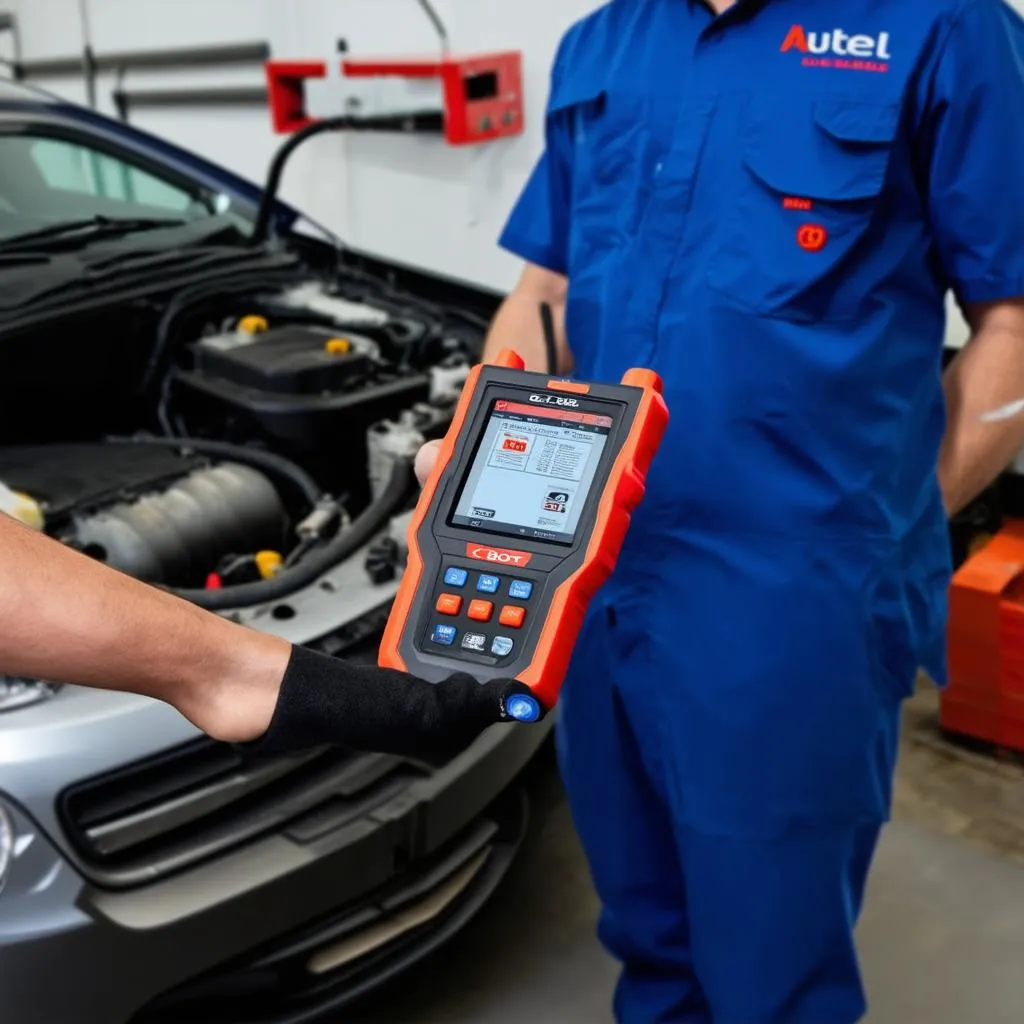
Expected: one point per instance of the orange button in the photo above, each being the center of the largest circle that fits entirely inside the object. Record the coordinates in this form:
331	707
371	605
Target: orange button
449	604
480	611
512	615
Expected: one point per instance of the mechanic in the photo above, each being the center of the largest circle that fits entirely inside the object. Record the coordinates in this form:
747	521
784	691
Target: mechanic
766	203
69	618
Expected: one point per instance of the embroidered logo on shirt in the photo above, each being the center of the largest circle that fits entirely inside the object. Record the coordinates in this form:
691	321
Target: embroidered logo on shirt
839	49
812	237
796	203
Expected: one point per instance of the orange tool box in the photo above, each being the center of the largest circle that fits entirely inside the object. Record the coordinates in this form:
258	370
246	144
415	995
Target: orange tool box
985	695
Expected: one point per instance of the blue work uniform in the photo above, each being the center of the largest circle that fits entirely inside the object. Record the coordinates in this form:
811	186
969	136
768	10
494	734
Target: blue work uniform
767	208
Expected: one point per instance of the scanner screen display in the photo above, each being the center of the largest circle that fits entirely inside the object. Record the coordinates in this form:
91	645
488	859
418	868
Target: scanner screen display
533	471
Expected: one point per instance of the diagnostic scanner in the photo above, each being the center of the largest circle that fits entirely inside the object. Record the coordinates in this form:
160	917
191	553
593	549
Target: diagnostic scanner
520	522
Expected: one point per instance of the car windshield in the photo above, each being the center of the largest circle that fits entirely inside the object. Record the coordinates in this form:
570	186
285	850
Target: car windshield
46	181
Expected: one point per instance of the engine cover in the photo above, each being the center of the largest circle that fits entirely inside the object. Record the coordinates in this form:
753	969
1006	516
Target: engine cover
291	360
300	385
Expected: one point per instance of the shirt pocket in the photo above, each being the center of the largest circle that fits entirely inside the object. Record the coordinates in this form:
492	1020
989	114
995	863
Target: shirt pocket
805	208
611	157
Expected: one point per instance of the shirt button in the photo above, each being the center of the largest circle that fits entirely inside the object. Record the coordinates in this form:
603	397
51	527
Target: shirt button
657	168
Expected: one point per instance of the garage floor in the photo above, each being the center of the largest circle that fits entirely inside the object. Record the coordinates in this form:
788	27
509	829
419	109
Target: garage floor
942	938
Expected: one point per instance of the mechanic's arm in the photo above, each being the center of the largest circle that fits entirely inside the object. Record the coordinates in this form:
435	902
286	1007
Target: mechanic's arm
987	374
518	323
972	158
68	618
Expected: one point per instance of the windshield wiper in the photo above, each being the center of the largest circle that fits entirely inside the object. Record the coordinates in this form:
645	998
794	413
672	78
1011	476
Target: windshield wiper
89	230
24	259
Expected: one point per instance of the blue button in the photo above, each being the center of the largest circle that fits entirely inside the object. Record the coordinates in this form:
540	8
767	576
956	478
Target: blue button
502	645
488	584
520	590
456	577
522	707
444	635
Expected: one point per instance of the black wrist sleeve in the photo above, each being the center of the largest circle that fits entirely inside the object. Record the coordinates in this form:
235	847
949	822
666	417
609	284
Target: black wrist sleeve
324	700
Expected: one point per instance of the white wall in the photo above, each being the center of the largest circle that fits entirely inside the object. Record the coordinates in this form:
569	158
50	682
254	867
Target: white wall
412	199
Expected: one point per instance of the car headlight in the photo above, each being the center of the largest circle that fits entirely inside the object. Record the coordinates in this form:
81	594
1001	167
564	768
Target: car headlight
6	844
17	692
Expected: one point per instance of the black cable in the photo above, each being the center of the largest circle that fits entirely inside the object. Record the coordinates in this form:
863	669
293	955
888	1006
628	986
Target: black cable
274	465
435	20
408	121
343	546
550	345
261	226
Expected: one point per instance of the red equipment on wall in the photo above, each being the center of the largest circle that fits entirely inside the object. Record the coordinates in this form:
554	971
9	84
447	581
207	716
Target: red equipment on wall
479	98
985	696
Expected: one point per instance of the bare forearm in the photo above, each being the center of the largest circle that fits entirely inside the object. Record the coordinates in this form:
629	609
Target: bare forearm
68	618
987	374
518	324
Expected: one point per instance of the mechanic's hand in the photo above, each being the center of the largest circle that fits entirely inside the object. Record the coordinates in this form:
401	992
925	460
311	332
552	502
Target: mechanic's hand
325	700
426	458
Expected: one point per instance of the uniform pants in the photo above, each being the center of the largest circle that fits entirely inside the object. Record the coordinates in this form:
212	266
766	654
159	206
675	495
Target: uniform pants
745	925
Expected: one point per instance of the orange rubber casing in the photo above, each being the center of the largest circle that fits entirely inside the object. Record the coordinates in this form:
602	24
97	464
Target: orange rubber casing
582	570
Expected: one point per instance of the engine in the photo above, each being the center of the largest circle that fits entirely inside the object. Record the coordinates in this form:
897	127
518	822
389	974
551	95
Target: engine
148	511
227	436
308	374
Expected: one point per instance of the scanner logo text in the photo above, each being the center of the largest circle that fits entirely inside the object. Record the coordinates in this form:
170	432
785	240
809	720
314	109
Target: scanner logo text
570	403
501	556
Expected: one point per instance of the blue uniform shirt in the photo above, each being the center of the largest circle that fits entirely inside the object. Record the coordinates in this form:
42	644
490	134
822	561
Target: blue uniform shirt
768	208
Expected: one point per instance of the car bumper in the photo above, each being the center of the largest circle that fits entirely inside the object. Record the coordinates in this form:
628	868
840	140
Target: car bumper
330	918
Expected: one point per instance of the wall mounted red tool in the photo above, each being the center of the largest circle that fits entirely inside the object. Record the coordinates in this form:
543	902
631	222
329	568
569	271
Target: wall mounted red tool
467	99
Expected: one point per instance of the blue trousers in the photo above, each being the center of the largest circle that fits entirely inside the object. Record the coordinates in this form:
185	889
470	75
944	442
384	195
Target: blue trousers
729	816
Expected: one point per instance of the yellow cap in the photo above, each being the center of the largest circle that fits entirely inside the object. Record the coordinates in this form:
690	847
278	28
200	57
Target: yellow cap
269	563
27	510
338	346
253	324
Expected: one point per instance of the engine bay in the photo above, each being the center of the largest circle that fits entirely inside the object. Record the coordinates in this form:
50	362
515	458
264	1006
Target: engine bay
231	438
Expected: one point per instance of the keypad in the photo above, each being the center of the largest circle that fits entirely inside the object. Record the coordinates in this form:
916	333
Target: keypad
479	626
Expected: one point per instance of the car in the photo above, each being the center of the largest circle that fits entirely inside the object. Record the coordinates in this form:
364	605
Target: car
231	417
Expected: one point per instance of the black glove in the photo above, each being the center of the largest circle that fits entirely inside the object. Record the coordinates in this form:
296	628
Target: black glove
325	700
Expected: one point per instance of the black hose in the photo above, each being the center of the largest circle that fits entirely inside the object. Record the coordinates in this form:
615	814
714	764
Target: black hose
408	121
435	20
336	551
547	321
274	465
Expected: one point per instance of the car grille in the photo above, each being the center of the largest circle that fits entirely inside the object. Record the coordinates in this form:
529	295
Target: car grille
328	964
166	813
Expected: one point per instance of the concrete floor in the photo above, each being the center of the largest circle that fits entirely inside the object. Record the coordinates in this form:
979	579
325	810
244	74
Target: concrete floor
942	938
